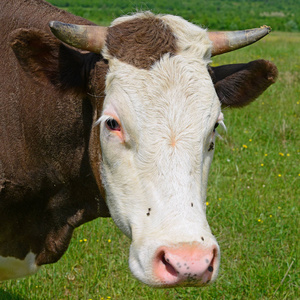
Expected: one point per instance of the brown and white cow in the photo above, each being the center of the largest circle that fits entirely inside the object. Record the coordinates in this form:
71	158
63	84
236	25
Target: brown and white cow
126	121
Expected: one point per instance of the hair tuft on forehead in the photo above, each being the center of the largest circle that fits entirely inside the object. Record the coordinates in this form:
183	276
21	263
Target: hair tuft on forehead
141	41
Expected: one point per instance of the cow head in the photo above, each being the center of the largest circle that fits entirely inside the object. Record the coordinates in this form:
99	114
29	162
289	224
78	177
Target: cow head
152	143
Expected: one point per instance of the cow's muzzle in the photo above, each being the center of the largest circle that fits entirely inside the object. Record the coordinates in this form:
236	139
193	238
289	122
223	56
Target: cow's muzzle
186	265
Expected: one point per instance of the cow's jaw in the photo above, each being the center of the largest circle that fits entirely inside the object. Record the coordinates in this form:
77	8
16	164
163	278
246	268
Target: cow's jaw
155	167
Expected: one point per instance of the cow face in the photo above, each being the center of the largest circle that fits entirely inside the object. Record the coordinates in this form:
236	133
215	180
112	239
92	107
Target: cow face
156	131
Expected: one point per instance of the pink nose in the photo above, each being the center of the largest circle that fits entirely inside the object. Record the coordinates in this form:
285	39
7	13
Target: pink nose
188	264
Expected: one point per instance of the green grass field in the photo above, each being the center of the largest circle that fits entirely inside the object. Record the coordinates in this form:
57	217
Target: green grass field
216	14
253	207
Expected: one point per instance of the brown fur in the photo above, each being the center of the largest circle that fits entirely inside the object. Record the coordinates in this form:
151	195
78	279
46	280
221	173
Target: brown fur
47	187
141	42
239	84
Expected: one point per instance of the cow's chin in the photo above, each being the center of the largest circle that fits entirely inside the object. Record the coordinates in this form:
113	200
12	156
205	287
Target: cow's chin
183	264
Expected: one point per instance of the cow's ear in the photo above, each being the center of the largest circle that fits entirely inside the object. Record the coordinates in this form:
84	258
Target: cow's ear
238	85
46	59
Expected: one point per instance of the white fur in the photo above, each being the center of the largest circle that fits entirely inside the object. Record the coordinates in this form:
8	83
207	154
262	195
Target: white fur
11	268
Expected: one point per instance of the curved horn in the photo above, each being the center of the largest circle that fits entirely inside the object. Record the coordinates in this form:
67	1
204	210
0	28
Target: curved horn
226	41
91	38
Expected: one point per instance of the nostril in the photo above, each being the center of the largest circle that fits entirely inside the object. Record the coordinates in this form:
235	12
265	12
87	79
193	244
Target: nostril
211	262
212	266
169	268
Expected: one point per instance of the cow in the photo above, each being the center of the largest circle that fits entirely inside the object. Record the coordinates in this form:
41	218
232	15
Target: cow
114	121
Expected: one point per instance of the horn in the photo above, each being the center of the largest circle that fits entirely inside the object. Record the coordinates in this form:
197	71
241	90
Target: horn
226	41
91	38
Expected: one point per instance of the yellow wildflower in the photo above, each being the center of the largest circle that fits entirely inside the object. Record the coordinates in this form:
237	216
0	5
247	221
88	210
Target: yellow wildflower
245	146
281	154
262	165
109	240
207	203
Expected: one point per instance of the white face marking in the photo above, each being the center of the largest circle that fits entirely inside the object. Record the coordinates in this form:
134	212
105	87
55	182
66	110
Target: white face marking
158	163
11	268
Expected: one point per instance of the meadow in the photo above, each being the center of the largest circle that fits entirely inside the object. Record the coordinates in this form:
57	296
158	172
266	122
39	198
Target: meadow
252	207
215	14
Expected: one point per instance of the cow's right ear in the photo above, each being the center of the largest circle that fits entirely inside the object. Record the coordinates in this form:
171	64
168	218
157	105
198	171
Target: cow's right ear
45	59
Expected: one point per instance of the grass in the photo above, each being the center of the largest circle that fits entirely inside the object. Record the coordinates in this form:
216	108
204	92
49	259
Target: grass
253	207
217	14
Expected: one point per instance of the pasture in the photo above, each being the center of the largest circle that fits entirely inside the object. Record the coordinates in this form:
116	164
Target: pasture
252	207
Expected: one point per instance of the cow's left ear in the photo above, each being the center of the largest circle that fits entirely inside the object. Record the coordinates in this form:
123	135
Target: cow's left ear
47	60
238	85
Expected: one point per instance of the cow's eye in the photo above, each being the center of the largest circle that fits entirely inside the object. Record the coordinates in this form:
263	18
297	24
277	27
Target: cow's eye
216	125
112	124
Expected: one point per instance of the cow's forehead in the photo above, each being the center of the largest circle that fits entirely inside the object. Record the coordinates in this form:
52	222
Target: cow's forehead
177	91
171	84
142	39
